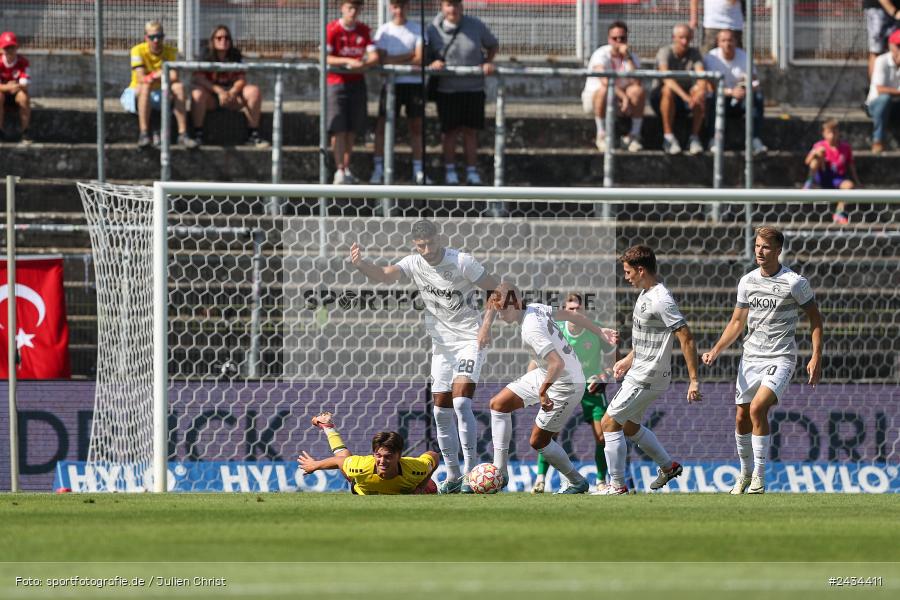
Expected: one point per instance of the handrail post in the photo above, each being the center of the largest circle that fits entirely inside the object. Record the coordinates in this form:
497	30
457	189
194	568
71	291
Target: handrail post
390	135
719	144
277	139
165	119
608	164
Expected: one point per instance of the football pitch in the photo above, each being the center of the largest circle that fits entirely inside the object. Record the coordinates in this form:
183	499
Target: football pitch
504	546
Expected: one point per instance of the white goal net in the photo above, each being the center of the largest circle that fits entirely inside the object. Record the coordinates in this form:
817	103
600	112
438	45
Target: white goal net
267	323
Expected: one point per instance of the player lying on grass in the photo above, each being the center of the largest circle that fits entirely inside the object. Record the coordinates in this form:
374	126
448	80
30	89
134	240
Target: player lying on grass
768	299
385	471
557	383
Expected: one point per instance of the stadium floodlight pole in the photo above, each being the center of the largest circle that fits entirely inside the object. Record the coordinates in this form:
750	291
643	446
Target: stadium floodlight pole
98	71
12	349
748	97
160	339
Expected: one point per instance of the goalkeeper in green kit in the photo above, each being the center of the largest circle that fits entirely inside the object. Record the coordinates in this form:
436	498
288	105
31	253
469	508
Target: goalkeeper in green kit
589	348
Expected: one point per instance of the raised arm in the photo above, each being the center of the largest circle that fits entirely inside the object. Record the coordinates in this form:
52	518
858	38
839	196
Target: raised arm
686	340
814	367
732	332
609	336
388	274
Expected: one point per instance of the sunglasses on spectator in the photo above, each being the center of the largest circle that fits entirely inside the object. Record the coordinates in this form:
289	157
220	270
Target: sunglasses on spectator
223	37
619	38
155	37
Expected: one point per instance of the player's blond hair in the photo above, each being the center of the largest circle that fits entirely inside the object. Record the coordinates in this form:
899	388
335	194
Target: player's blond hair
771	235
153	24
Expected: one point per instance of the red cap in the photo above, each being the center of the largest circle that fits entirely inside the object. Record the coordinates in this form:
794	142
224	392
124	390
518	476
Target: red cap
8	38
895	38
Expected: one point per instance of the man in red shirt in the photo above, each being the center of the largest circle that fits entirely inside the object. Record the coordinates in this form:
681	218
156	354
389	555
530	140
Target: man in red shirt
349	47
14	81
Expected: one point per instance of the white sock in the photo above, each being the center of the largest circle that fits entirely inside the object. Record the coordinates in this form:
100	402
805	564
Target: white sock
616	451
557	458
649	443
636	123
448	440
760	445
379	163
417	166
468	431
669	137
501	432
745	452
601	125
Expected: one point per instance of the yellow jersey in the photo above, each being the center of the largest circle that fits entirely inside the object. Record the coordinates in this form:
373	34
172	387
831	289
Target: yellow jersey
360	470
142	57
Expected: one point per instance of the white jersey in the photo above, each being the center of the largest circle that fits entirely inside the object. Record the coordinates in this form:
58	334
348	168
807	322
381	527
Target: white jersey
772	318
654	321
603	60
449	294
541	335
400	39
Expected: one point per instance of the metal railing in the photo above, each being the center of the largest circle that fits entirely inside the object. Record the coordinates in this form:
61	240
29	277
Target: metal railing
391	71
165	154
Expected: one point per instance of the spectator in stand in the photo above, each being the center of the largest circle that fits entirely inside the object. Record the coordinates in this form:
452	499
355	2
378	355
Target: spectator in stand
349	43
718	15
144	93
831	166
14	80
731	61
881	22
399	42
680	97
615	56
457	40
225	89
883	102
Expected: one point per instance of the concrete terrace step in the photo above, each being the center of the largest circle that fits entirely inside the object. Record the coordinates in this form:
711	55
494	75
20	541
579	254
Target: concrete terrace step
523	167
528	125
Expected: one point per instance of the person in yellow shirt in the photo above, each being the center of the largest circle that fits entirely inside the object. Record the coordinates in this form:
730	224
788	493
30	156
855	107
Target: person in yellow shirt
144	93
385	471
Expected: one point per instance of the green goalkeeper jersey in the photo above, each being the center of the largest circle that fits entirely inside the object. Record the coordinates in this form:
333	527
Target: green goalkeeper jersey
589	349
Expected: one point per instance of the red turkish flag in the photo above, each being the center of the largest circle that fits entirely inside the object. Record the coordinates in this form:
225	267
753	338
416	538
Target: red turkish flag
42	333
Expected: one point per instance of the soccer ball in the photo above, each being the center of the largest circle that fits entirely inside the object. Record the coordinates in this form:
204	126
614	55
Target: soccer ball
485	479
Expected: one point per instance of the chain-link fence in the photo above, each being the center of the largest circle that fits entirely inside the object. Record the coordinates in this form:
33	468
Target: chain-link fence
528	29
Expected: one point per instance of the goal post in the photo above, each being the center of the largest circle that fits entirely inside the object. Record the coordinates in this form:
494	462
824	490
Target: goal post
257	319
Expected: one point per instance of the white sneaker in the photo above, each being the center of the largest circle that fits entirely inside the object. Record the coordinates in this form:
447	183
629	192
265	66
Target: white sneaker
421	178
611	490
377	177
349	178
757	485
632	143
450	178
671	147
473	178
696	146
340	178
741	485
758	147
600	142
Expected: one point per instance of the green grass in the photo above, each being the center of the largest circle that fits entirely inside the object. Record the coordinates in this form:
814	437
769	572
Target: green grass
550	533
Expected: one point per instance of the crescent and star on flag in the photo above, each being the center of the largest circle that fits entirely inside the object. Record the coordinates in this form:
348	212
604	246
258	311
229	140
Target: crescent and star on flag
23	339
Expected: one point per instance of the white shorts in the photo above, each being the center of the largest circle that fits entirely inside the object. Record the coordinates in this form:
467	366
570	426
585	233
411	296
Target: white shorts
587	96
449	361
775	374
631	402
565	396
